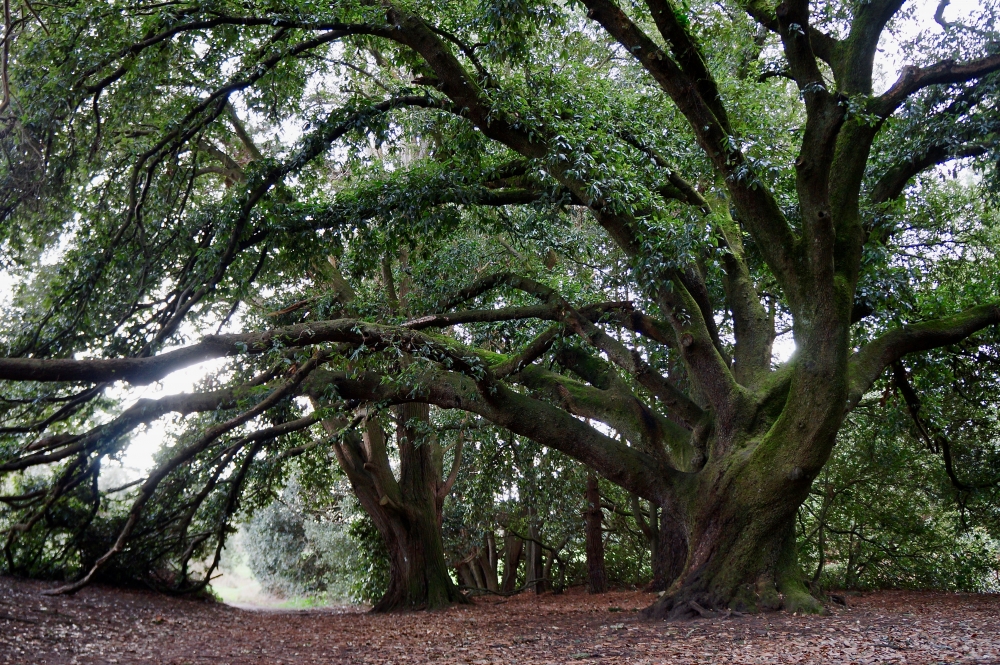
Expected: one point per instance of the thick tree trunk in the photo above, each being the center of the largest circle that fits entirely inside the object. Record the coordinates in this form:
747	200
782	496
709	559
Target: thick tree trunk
406	511
597	577
418	574
741	553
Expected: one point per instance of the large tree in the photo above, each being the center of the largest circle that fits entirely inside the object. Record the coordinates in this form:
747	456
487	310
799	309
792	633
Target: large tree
736	168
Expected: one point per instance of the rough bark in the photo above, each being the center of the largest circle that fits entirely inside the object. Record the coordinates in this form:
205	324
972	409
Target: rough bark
597	577
754	571
741	551
418	574
668	552
406	511
667	544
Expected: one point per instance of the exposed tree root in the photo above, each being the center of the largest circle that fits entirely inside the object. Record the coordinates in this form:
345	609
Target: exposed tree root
684	605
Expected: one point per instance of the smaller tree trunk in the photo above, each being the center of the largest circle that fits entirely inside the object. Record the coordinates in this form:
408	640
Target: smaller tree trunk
667	544
405	511
418	575
487	561
535	575
533	567
493	555
465	575
597	578
477	573
669	549
512	550
659	565
547	571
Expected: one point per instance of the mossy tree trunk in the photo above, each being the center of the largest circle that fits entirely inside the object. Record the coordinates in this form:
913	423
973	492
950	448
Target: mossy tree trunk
740	553
406	510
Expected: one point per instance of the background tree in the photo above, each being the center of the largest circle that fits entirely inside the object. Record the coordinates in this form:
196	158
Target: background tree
597	577
302	545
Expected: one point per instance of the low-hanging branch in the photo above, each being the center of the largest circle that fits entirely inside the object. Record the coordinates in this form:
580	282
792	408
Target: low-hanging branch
148	487
141	371
915	78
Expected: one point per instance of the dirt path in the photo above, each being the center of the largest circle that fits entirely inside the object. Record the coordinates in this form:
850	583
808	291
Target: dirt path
102	625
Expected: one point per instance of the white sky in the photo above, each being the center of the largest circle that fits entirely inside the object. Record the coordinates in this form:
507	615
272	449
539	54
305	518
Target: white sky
145	442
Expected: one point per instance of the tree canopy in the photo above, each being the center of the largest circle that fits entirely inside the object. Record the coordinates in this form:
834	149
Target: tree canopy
582	224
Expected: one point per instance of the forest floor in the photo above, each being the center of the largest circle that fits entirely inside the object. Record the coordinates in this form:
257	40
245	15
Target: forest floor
102	625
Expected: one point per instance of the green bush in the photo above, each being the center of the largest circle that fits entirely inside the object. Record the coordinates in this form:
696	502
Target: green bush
332	553
883	514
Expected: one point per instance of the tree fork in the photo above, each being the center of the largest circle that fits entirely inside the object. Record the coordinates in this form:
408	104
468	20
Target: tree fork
742	553
406	512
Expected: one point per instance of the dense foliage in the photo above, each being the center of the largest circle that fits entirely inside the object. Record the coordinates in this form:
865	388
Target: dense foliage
462	255
294	548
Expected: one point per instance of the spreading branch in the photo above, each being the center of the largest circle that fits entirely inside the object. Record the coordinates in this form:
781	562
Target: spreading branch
868	363
755	203
892	183
915	78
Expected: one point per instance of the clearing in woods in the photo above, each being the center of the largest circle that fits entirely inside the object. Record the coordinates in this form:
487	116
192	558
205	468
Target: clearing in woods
102	625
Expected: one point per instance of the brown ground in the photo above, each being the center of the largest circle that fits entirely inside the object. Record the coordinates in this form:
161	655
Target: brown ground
101	625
